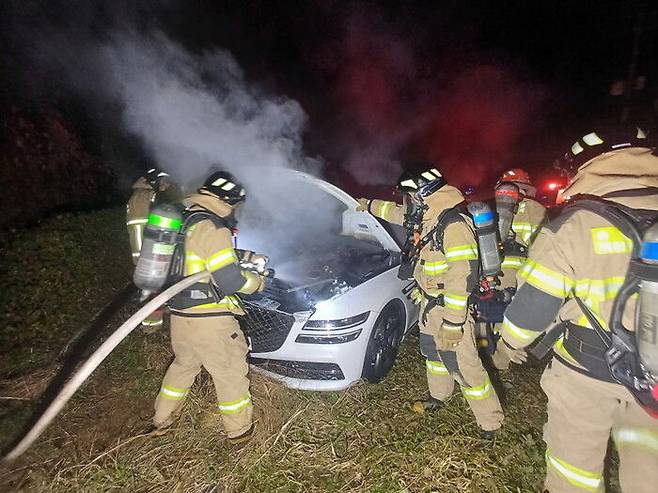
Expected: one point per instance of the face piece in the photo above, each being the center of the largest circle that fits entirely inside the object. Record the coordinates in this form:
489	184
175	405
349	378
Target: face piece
414	209
237	211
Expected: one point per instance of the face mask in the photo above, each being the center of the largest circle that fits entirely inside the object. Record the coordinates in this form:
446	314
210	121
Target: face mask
414	210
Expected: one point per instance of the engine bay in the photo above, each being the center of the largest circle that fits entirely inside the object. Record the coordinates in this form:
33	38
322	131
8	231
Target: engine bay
323	271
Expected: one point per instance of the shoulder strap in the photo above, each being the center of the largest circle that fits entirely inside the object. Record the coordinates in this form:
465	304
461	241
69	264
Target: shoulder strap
190	218
446	218
631	222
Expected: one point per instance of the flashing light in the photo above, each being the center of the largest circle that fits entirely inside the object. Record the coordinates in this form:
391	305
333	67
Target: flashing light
552	186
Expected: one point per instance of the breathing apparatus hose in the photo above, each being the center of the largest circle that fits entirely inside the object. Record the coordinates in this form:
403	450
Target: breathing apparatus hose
94	361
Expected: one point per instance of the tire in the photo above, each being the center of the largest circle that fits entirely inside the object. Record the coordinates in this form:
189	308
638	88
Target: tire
384	342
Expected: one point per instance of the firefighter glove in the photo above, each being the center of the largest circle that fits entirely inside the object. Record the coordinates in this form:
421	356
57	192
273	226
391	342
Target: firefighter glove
364	205
262	284
517	356
450	335
416	296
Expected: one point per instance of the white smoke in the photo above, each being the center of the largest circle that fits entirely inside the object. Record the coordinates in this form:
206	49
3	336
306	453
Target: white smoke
192	111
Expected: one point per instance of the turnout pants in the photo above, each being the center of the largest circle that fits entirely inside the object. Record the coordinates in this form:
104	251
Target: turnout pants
217	344
583	413
463	365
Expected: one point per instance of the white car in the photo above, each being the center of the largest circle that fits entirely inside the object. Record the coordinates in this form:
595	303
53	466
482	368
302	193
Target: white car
336	311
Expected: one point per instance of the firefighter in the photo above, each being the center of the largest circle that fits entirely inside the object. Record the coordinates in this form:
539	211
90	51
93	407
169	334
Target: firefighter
576	265
528	218
204	328
146	191
445	277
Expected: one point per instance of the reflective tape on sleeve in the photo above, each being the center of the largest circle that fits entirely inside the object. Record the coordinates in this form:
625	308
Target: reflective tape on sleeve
433	268
512	263
524	230
383	209
193	263
462	252
455	301
512	331
546	280
221	259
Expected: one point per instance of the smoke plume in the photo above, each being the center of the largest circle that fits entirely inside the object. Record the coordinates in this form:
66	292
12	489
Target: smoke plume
189	111
193	112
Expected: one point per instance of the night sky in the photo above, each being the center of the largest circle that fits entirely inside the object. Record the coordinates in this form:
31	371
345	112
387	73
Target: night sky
470	85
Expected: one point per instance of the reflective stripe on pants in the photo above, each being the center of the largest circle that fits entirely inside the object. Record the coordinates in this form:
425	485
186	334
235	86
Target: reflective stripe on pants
482	400
582	414
218	345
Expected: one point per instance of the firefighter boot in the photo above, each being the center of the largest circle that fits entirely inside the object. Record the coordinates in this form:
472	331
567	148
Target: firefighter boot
245	437
153	322
488	435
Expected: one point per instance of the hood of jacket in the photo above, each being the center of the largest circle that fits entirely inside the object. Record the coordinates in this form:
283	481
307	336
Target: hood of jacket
444	198
213	204
616	171
142	184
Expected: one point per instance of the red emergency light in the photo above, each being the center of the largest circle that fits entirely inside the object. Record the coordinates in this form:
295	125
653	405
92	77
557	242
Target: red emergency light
552	186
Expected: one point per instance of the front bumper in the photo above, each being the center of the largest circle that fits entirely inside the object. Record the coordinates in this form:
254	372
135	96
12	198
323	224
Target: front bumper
276	350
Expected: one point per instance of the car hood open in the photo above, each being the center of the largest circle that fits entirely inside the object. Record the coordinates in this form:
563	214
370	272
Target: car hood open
295	205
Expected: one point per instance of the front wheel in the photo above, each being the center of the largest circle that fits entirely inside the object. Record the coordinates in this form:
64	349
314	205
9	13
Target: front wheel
384	342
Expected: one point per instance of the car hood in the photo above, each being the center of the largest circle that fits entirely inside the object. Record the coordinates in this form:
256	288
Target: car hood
354	222
292	206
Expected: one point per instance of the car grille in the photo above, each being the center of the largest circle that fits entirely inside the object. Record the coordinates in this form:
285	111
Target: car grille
267	329
300	369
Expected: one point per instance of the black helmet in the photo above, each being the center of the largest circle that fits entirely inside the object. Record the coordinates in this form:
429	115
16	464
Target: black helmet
225	187
591	144
154	176
421	184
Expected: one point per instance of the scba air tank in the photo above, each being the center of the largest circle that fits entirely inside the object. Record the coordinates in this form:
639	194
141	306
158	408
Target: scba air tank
507	199
647	312
487	236
158	246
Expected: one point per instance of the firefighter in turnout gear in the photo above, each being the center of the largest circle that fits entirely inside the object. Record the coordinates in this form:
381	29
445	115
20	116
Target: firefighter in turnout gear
578	263
446	276
528	218
146	192
204	328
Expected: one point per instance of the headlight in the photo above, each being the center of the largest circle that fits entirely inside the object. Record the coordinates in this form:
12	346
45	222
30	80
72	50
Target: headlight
332	331
341	323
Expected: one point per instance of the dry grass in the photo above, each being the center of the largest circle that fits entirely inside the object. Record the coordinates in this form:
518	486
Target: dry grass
363	439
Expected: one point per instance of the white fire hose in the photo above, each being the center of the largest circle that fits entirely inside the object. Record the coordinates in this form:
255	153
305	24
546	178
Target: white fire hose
94	362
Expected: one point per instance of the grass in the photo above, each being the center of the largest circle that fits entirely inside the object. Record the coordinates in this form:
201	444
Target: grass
363	439
54	278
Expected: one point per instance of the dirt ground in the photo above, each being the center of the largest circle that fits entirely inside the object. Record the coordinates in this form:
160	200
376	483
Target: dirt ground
362	439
